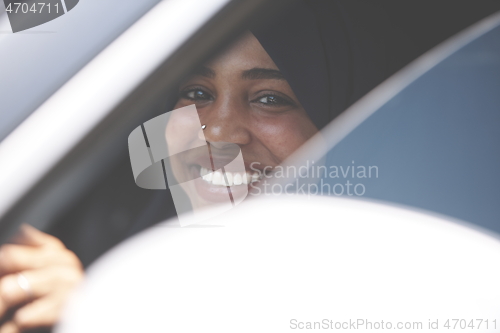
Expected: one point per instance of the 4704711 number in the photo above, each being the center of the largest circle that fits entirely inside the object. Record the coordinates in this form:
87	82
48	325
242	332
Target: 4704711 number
471	324
23	7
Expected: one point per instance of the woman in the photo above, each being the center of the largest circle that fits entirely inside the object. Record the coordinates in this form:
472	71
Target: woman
268	93
245	102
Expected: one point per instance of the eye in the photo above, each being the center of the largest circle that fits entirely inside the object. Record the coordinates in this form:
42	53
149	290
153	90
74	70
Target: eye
274	100
196	94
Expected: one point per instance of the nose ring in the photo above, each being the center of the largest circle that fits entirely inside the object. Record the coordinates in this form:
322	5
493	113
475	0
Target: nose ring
203	127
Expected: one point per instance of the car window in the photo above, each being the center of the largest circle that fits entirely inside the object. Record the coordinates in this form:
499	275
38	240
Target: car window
91	193
112	216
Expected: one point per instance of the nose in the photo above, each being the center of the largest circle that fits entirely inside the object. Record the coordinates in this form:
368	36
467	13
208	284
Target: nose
227	121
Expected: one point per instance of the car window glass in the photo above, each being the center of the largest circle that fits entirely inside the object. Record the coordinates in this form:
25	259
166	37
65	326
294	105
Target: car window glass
433	146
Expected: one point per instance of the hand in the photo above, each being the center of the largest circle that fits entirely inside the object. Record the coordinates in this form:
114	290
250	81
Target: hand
49	273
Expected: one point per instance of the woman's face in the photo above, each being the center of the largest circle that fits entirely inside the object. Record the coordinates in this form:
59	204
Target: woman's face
242	98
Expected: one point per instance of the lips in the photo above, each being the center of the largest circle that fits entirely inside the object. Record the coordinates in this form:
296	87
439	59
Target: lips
217	178
226	172
218	175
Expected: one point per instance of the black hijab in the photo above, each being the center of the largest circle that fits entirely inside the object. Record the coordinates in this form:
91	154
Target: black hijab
332	52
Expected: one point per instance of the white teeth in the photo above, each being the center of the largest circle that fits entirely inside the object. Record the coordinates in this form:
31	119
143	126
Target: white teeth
255	177
237	179
217	178
208	177
229	179
206	174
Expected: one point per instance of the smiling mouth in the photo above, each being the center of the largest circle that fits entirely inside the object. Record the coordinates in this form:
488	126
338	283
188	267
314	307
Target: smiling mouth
217	178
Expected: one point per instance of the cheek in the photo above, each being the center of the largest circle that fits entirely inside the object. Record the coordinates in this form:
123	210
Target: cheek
284	134
183	129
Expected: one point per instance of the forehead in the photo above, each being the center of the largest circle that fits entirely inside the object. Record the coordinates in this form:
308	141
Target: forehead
244	53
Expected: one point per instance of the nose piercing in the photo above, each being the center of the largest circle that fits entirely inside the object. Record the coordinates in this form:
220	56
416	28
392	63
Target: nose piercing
203	127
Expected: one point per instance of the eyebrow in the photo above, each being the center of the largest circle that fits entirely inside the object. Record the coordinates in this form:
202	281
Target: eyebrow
204	71
262	73
250	74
